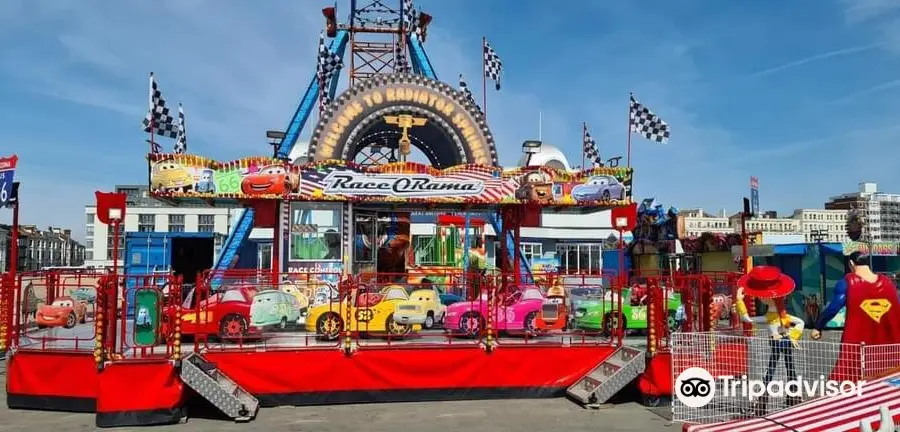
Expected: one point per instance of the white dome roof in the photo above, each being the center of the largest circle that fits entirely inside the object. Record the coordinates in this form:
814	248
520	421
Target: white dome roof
299	151
548	156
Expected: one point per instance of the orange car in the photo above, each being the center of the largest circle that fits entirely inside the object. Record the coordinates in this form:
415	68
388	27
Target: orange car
270	180
63	312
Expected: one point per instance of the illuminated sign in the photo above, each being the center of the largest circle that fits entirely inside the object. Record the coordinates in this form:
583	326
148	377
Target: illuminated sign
408	186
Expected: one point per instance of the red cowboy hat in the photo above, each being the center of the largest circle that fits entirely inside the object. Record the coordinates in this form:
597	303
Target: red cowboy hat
766	282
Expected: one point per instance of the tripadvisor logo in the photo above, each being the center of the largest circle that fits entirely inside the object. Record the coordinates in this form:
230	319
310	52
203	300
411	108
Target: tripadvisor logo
696	387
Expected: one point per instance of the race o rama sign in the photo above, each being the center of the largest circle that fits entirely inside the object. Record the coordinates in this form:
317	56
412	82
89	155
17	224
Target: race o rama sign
376	104
407	186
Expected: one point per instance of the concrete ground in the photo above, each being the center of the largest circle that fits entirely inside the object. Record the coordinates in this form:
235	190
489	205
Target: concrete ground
471	416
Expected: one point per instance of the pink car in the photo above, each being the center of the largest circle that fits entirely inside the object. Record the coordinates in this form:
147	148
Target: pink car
516	312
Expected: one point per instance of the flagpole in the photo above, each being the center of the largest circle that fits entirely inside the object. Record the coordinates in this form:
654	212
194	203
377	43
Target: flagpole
583	139
152	117
628	157
483	77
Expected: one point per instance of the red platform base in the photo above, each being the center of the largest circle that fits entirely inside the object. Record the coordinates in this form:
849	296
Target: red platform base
320	377
657	381
123	394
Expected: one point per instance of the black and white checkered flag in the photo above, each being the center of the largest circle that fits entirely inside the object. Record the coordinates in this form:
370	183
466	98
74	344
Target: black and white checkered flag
591	151
647	124
411	19
464	88
181	139
327	64
493	67
158	119
401	63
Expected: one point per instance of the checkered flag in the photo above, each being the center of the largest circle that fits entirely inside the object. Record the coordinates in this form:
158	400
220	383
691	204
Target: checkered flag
327	65
591	151
158	119
411	19
647	124
401	63
464	88
493	67
181	139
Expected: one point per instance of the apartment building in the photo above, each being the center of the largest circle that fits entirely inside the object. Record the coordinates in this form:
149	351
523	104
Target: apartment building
38	249
881	211
822	225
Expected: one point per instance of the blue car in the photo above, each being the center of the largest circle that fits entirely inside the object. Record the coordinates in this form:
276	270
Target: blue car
207	183
449	299
599	188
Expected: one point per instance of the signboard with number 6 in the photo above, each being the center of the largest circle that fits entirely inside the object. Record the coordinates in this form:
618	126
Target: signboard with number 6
7	171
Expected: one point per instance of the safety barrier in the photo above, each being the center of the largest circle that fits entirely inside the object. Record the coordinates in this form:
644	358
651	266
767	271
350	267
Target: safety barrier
751	361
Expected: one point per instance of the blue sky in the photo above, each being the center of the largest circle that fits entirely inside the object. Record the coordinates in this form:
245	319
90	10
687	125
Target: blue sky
803	94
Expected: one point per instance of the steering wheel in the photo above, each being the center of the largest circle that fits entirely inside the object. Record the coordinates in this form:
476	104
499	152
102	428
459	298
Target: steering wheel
513	298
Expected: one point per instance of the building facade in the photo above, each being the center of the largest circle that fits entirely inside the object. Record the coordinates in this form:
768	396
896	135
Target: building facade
881	211
697	222
147	214
822	225
39	249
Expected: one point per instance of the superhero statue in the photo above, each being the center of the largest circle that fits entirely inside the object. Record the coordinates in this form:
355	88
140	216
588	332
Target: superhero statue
768	284
872	318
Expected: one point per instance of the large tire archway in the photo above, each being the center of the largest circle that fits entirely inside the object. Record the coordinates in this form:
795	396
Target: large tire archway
455	131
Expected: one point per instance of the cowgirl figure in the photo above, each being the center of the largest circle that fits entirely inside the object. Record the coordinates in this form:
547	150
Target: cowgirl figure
768	284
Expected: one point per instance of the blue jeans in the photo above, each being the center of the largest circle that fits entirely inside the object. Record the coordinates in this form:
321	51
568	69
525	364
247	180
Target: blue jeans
778	349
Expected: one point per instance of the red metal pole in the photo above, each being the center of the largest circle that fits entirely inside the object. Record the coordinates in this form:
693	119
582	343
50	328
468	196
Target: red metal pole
276	244
112	315
517	254
628	158
14	249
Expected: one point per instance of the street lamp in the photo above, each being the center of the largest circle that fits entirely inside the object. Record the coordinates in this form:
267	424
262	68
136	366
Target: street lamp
274	138
531	147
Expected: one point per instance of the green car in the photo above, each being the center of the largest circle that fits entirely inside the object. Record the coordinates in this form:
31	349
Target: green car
274	309
599	314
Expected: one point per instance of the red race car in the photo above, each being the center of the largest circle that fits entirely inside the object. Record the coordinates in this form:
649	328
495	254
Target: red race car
270	180
225	314
63	312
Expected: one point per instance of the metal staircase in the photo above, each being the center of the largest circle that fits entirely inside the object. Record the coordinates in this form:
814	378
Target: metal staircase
524	265
609	377
218	389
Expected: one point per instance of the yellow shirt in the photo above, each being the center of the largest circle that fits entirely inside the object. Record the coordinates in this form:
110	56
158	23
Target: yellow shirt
772	322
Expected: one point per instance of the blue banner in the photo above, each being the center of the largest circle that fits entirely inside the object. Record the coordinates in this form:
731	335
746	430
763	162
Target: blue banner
7	171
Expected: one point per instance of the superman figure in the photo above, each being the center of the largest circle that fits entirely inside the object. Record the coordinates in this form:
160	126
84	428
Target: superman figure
872	318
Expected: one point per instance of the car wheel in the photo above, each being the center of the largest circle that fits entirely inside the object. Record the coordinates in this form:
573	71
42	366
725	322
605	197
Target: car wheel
530	324
232	326
283	324
470	324
396	329
605	195
329	326
429	320
84	317
611	322
71	320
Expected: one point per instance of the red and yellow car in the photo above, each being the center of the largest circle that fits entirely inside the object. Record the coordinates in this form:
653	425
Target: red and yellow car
63	312
554	314
270	180
225	314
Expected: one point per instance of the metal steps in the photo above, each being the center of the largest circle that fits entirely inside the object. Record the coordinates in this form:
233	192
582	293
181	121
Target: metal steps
609	377
218	389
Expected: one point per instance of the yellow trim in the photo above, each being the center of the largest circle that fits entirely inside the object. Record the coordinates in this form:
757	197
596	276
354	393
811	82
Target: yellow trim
741	308
795	334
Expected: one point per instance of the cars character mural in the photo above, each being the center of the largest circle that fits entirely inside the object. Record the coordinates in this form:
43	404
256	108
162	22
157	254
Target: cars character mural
64	312
369	311
599	188
424	307
252	178
601	314
274	309
226	314
517	312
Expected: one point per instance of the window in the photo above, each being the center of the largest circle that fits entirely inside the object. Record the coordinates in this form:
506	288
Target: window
146	222
110	242
580	258
89	231
206	223
89	218
176	223
89	255
315	232
89	243
530	251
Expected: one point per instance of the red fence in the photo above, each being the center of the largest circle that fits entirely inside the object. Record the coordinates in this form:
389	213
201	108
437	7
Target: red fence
248	310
